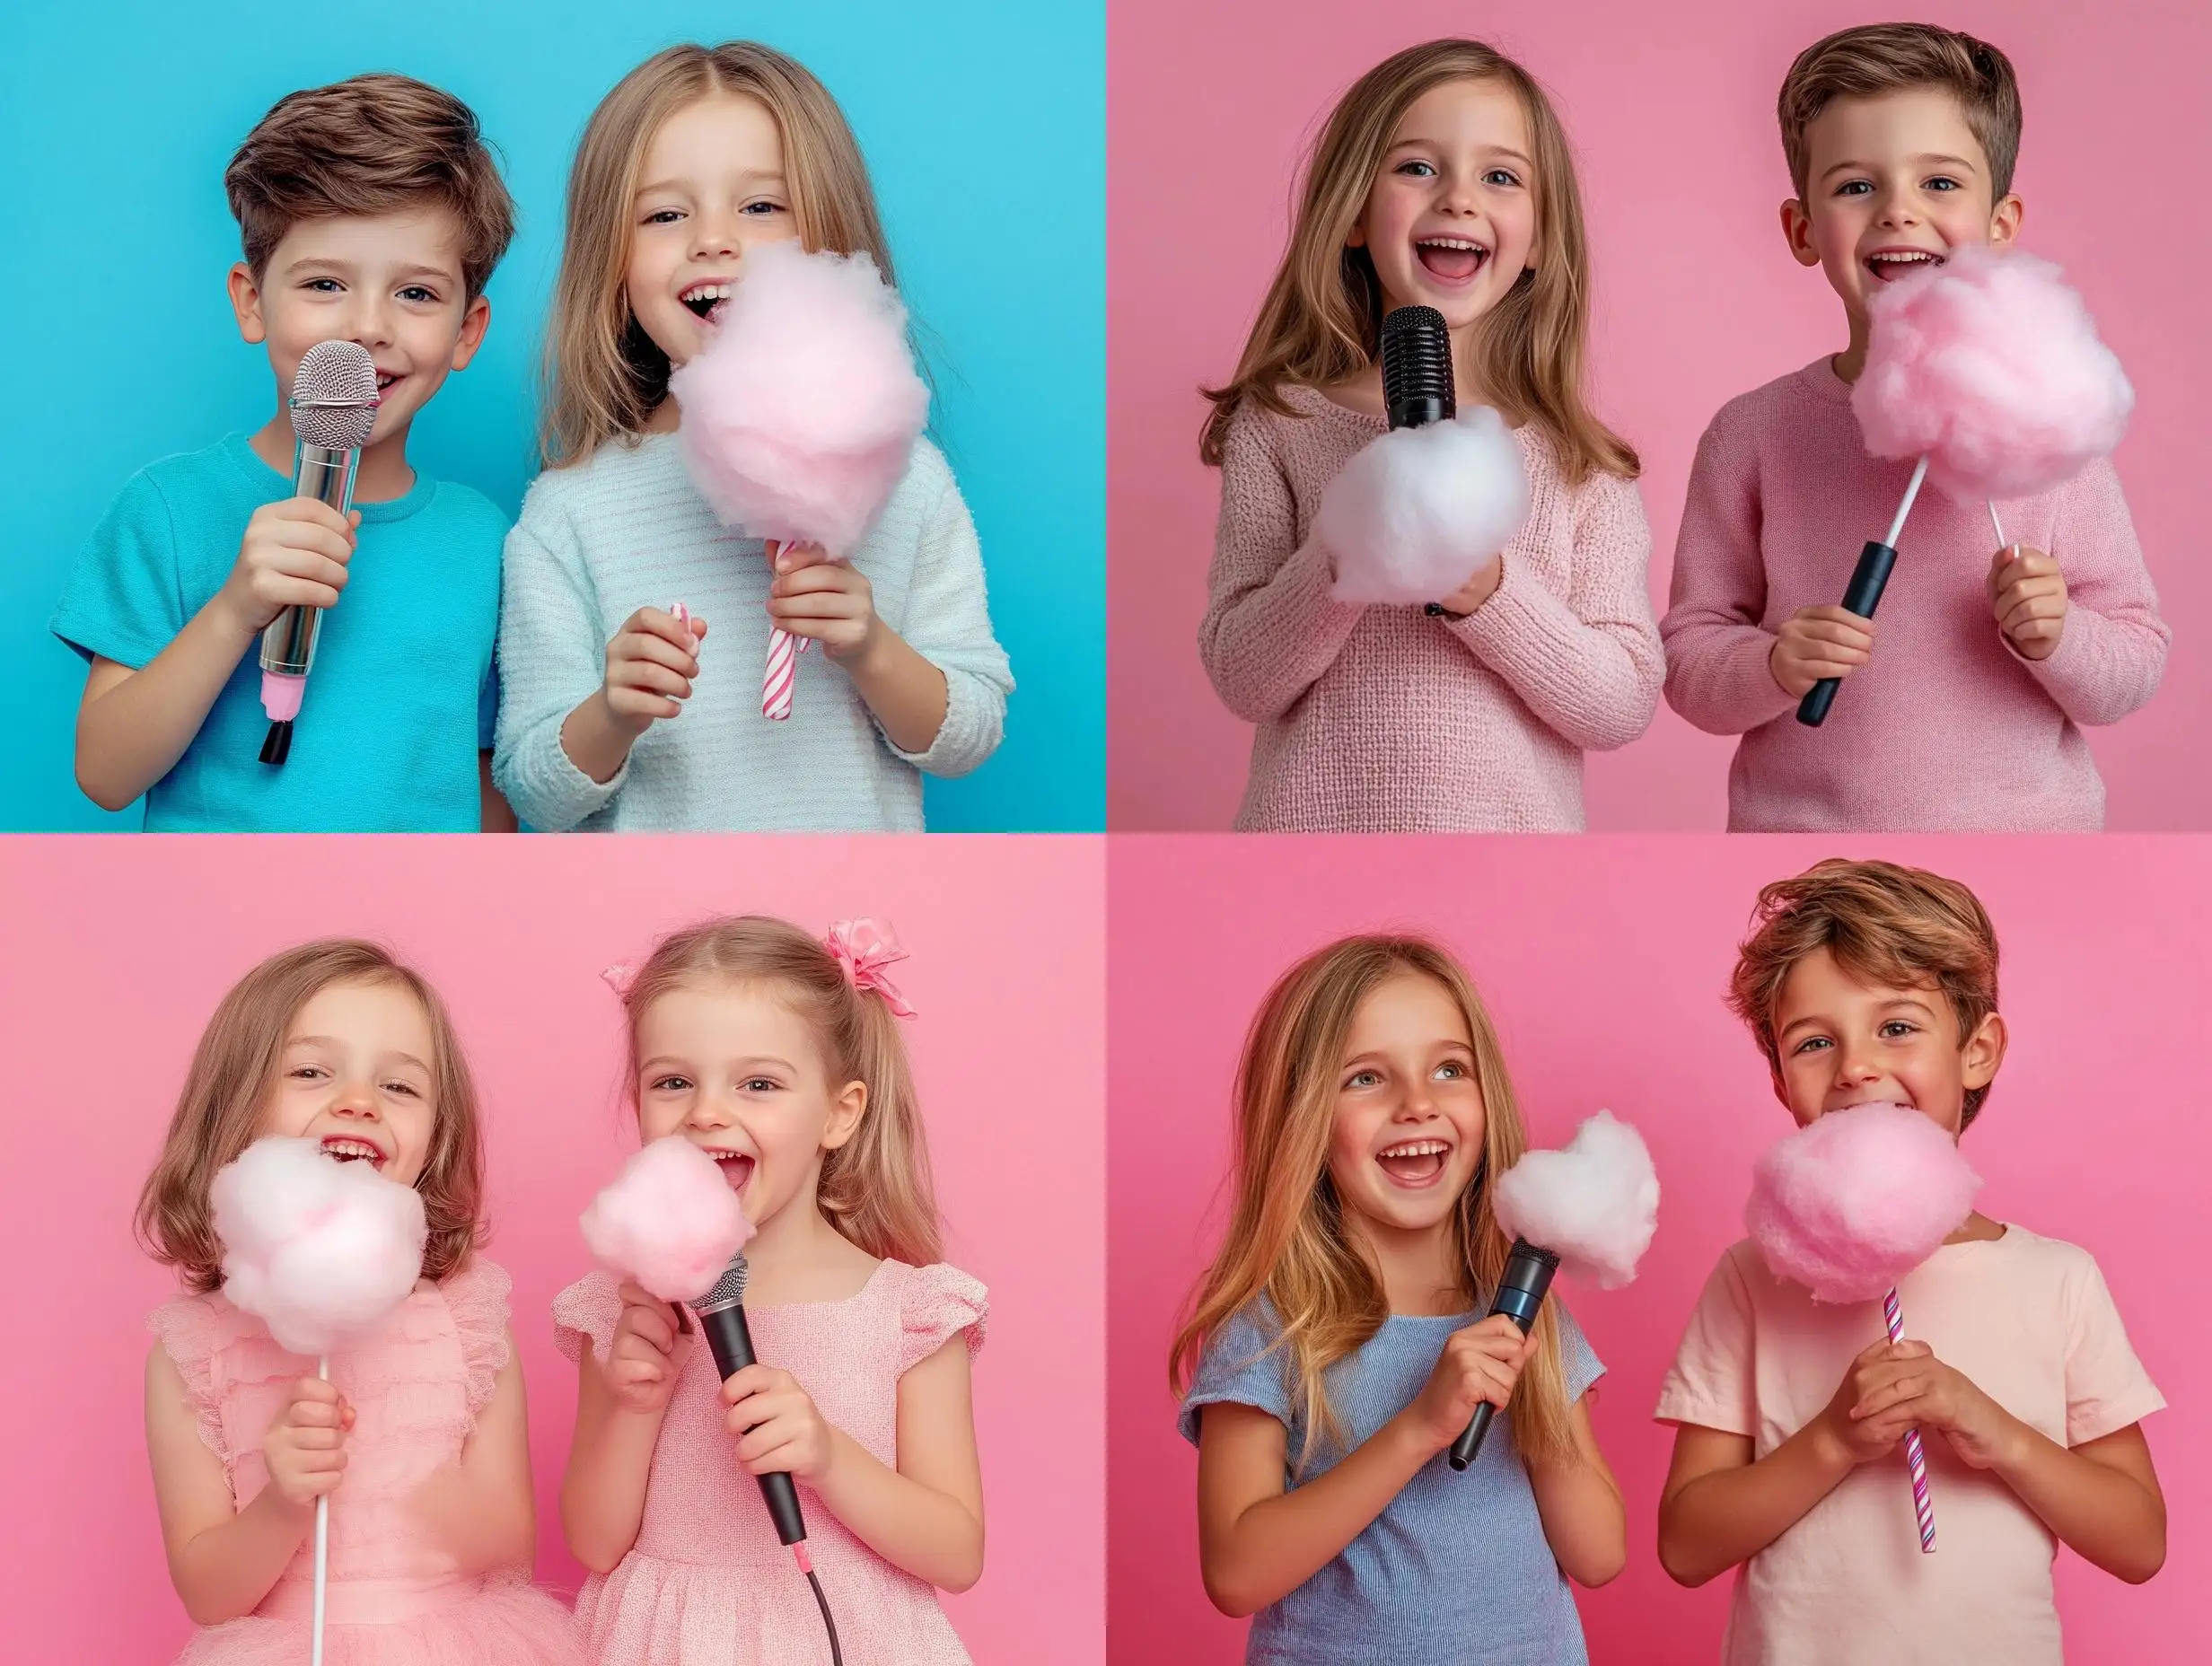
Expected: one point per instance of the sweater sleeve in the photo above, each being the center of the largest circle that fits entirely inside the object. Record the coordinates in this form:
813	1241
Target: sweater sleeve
2112	652
1718	674
552	657
1270	629
948	623
1588	664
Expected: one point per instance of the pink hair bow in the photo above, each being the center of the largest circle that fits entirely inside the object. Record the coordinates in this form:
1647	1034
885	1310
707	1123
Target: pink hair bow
864	949
619	977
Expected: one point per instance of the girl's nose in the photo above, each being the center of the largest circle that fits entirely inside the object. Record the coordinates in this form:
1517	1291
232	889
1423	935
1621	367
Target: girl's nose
713	236
355	1099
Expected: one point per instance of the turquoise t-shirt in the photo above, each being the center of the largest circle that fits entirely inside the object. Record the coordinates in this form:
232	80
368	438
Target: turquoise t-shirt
402	697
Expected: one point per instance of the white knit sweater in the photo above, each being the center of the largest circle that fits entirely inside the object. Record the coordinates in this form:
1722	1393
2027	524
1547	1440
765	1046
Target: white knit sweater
625	529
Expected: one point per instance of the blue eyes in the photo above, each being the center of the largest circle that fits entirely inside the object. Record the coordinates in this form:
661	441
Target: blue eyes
1504	177
414	293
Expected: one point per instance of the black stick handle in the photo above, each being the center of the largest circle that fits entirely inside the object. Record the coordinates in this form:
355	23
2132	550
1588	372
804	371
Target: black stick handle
1862	598
732	1342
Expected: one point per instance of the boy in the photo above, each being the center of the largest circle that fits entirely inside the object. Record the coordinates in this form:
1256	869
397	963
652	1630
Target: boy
1870	983
370	211
1961	705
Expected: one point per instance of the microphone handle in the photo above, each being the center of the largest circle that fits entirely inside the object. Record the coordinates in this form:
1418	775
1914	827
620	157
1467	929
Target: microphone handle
327	476
1862	597
1519	1300
732	1343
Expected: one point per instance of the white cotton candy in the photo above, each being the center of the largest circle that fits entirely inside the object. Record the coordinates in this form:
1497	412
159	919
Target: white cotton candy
1414	515
1594	1205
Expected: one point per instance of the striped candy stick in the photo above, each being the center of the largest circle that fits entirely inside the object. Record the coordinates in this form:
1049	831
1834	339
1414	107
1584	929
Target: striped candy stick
781	676
1915	1456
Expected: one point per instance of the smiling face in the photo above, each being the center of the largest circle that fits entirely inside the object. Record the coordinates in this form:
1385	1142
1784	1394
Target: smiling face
712	186
1841	1043
357	1074
391	283
736	1071
1450	220
1407	1135
1892	184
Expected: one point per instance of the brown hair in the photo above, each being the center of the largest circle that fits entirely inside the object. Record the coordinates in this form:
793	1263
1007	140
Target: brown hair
875	1188
1898	58
603	374
1322	318
226	1094
1286	1238
1885	925
375	144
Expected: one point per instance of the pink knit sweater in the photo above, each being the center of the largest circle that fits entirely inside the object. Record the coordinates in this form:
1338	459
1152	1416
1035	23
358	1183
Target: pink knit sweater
1946	729
1382	719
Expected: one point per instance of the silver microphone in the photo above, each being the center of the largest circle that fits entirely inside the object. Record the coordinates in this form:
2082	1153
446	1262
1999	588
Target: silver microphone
333	406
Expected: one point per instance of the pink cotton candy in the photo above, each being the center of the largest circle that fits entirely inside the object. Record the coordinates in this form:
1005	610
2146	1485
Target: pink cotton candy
1417	512
669	1221
1849	1204
801	412
1989	366
1594	1205
320	1250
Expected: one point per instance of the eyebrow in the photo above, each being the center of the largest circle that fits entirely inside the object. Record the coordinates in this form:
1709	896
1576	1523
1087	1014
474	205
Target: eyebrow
658	186
404	1059
330	263
664	1059
1435	144
1918	161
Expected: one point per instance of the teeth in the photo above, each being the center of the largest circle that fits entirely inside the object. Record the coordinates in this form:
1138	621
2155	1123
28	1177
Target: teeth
350	1148
1915	258
1453	242
1415	1148
705	291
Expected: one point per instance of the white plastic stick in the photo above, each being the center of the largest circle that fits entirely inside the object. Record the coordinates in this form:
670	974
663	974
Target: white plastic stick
1920	473
1996	525
323	1537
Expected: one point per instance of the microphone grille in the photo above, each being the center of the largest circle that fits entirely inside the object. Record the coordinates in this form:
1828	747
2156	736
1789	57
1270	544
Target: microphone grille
729	1288
334	396
1417	361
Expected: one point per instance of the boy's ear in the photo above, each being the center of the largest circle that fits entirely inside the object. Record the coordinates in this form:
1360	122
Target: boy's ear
246	301
1797	230
474	323
2005	221
1982	1053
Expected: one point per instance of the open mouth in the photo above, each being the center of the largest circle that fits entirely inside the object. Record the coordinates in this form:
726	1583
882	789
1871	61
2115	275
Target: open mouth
1415	1163
705	299
1450	259
1889	265
736	1168
343	1148
385	382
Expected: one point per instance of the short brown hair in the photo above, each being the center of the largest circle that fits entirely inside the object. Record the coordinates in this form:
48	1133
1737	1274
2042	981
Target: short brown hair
375	144
1894	58
1884	924
227	1088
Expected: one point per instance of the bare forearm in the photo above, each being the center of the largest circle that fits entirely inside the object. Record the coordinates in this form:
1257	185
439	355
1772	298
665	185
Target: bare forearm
929	1534
1279	1543
2103	1515
226	1570
1722	1519
1585	1522
132	735
483	1521
604	1489
596	739
906	692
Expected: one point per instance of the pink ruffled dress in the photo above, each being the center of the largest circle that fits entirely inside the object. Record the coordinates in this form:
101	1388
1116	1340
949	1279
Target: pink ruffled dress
707	1583
394	1597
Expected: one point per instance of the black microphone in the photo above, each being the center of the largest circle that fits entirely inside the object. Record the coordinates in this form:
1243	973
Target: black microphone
333	409
1417	376
1520	1293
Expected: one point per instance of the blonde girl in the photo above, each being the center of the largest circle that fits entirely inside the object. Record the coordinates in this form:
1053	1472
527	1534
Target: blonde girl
1337	1346
420	1438
698	156
780	1056
1443	179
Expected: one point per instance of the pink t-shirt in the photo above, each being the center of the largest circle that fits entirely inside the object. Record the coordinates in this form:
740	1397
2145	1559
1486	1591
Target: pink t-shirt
2030	1322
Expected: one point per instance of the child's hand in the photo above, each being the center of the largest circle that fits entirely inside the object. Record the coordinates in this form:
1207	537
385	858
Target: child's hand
1481	1363
1477	589
295	554
777	1424
825	600
1867	1439
647	1351
650	665
1815	643
1913	1389
305	1446
2027	594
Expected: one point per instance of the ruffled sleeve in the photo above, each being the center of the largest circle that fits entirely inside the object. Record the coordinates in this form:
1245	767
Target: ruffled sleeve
937	1303
192	1330
477	1297
588	1308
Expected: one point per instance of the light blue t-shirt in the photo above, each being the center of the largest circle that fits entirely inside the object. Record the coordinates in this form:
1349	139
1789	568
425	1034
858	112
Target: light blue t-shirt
1456	1569
402	697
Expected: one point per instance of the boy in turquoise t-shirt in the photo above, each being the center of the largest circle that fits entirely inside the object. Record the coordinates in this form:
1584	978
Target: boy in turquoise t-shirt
371	211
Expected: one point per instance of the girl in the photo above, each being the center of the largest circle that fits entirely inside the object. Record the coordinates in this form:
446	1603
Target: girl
1338	1347
697	156
420	1438
780	1056
1442	180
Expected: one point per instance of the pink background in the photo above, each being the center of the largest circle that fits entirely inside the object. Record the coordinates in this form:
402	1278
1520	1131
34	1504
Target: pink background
1671	109
118	951
1603	962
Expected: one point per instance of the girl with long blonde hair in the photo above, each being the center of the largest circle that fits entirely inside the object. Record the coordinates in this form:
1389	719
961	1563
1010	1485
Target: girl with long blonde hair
1337	1345
698	158
780	1056
1443	179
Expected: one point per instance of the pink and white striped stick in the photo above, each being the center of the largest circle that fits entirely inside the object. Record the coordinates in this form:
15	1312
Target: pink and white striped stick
782	675
1916	1458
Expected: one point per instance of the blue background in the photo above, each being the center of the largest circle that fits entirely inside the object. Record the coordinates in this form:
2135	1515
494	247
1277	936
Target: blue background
984	128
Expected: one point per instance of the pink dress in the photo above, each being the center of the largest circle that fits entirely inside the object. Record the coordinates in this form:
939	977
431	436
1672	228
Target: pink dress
393	1598
707	1583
